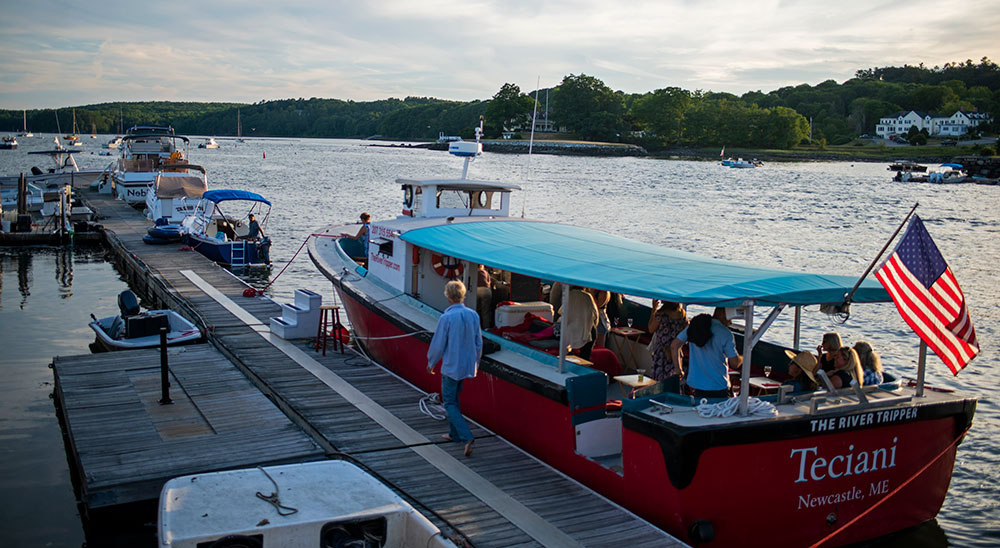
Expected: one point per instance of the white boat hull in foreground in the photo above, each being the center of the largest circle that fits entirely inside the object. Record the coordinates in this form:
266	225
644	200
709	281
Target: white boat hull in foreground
326	503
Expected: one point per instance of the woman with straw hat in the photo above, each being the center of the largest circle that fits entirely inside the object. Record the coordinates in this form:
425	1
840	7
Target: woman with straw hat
802	369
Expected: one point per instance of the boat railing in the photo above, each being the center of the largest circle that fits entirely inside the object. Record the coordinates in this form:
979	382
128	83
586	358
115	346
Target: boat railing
840	400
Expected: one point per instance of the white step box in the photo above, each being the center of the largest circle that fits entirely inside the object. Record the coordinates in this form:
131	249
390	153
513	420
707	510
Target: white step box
301	319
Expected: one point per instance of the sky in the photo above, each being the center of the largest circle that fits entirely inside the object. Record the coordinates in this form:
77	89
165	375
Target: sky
73	53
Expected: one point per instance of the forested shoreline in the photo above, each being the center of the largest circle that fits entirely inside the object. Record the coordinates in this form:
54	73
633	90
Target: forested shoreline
583	105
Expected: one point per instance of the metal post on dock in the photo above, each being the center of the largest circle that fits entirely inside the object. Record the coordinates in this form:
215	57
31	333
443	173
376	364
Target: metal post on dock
164	379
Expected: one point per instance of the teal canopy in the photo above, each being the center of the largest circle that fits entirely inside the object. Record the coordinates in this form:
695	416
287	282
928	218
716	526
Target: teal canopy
590	258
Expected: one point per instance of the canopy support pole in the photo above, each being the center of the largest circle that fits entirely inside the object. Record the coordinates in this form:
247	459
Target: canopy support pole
747	352
797	329
562	332
921	367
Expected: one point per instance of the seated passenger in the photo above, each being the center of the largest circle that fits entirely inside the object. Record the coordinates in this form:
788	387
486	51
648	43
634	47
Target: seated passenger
871	363
802	369
825	351
666	320
848	368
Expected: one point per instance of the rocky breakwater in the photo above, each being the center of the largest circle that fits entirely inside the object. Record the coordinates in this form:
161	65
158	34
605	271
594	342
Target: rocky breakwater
567	148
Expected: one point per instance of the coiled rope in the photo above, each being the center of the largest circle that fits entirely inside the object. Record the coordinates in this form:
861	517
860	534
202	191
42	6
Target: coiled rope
430	405
755	406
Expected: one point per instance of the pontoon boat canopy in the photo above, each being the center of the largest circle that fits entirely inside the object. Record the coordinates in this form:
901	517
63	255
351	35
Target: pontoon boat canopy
591	258
218	196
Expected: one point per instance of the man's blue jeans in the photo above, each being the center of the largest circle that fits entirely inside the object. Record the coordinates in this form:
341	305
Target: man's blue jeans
458	429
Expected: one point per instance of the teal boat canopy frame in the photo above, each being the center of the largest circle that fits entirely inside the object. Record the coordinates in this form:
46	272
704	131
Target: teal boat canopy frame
595	259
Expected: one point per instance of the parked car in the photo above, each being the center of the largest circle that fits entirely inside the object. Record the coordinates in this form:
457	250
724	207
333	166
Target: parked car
865	136
949	143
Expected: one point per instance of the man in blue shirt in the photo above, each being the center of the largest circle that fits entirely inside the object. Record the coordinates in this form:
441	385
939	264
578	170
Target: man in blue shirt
457	344
711	353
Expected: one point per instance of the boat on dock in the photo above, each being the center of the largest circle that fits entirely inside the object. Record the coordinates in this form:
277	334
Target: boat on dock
230	240
839	465
145	152
133	329
174	193
324	503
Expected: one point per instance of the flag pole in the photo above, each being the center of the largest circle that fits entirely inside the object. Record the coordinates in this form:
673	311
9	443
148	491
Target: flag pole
921	369
847	297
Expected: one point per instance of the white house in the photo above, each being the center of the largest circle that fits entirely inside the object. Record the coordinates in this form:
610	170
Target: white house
899	123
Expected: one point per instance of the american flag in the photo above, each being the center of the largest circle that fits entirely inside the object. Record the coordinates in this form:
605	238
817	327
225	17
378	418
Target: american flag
927	295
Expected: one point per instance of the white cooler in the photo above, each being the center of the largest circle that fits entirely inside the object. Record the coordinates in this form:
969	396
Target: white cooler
513	314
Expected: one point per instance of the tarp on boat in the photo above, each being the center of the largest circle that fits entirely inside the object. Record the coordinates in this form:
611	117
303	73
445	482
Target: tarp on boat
591	258
230	194
189	186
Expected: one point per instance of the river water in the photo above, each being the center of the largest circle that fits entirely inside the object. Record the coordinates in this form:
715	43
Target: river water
824	217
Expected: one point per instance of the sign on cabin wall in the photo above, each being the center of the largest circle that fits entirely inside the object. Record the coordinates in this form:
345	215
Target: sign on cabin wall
386	254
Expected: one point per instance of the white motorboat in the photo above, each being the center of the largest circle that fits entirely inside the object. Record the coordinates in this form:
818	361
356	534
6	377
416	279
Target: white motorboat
324	503
174	193
146	151
208	143
114	143
133	329
743	164
9	143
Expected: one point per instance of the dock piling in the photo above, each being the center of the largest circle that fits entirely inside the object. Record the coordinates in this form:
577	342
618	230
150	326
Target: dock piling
164	368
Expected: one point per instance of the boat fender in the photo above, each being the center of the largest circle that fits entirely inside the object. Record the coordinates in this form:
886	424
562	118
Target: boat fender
700	531
447	267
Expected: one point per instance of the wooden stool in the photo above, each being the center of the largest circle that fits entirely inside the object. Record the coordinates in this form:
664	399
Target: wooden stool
329	326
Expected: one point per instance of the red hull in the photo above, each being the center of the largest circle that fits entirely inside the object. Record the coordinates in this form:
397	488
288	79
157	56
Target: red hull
754	494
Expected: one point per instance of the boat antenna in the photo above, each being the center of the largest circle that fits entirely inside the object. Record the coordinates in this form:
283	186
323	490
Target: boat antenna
531	144
850	294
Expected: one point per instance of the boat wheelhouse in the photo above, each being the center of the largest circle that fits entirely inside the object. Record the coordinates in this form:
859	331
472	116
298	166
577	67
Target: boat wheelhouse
145	152
820	460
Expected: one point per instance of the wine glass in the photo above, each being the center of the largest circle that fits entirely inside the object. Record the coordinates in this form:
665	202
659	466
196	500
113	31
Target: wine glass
629	322
616	321
767	370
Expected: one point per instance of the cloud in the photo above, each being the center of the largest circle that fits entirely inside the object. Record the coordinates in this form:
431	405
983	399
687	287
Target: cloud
60	54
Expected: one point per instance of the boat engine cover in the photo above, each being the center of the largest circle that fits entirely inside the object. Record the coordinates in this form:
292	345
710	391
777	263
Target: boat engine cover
128	303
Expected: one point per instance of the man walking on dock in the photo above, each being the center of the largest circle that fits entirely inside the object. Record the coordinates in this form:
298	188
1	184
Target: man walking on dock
457	344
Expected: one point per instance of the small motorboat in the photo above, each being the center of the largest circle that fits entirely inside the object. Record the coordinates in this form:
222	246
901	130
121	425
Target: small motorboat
9	143
208	143
325	503
133	329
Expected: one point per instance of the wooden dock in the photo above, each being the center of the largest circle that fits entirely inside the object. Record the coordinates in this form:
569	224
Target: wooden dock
338	404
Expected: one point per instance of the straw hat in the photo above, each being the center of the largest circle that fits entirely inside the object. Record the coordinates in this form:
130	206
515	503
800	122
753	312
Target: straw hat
806	362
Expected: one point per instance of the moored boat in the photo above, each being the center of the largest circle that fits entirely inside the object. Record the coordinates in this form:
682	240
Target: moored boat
145	152
819	460
230	240
9	143
175	192
326	503
208	143
133	329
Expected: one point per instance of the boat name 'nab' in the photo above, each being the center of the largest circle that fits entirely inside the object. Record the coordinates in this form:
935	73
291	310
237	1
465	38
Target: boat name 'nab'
852	463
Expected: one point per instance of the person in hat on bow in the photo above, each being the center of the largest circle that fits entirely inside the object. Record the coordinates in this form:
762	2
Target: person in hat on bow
802	369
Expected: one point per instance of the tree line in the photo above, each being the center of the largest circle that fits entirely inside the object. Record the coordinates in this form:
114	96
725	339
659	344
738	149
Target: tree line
581	104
